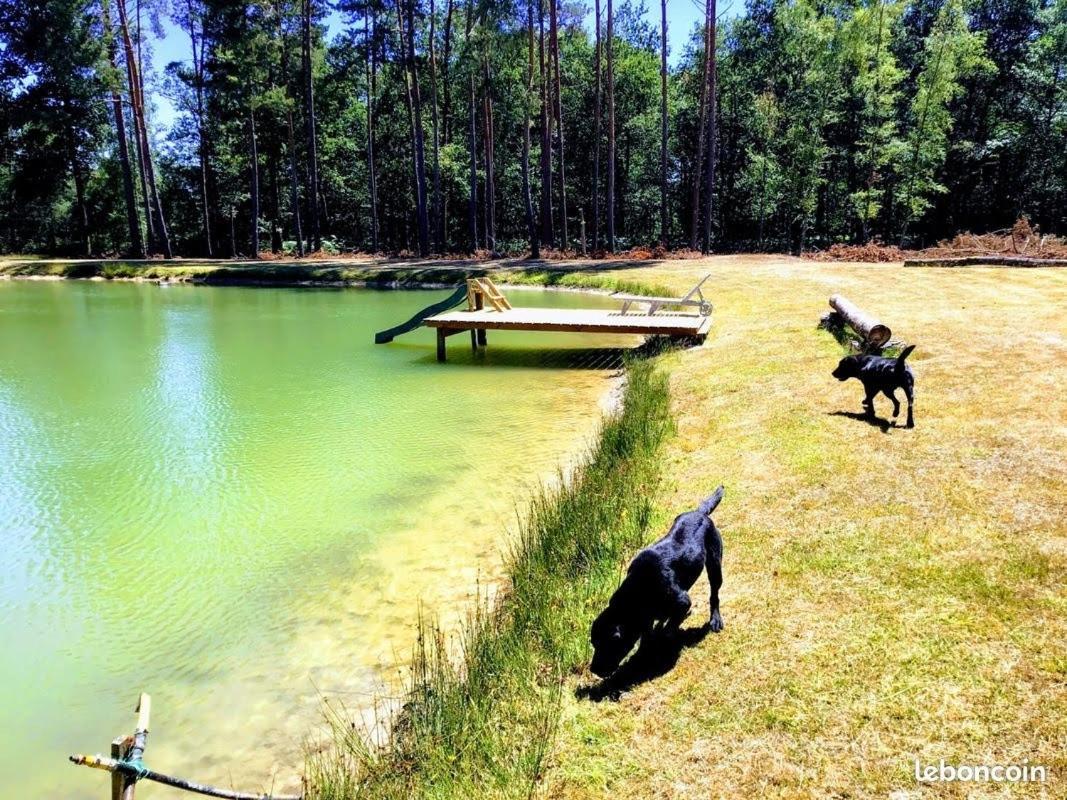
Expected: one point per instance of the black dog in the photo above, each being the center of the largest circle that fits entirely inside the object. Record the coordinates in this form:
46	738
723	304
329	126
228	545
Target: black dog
654	589
878	374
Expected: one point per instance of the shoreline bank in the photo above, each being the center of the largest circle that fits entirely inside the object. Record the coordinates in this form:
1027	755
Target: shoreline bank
480	719
339	274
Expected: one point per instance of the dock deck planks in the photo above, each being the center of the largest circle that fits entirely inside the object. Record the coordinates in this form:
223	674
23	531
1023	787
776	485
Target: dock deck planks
576	320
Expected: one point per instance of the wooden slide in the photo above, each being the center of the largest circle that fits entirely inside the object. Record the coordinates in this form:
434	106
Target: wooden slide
454	299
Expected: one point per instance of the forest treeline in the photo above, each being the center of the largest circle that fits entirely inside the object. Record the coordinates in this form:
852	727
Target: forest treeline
436	126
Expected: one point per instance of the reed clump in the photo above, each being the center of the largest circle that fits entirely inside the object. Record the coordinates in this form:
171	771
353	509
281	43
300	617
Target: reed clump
481	722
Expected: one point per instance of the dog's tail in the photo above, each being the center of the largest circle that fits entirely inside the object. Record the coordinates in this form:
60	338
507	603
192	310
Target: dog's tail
709	505
903	355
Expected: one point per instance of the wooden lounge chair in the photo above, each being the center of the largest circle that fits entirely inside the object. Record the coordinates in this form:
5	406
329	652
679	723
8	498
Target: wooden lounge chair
694	297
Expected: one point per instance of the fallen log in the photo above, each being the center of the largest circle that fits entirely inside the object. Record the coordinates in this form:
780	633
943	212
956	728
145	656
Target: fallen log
874	333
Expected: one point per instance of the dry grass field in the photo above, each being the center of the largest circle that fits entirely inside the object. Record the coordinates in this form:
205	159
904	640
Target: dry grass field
890	594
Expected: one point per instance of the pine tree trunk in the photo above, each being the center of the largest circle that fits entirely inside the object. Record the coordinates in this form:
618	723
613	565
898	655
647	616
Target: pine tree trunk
142	175
129	195
598	102
370	30
254	187
547	233
698	160
198	77
81	212
233	234
438	218
712	139
161	224
310	127
762	200
472	147
152	243
294	178
872	173
446	60
472	199
274	155
490	174
663	218
324	210
554	36
446	109
137	103
275	198
527	196
131	82
417	135
150	170
294	187
611	128
622	182
409	106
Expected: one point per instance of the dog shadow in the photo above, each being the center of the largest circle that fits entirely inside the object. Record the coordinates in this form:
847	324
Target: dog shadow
875	421
657	655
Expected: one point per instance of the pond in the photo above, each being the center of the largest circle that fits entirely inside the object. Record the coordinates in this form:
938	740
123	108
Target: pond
232	499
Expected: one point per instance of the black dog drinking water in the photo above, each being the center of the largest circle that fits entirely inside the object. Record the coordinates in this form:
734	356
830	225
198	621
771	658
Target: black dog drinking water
878	374
655	587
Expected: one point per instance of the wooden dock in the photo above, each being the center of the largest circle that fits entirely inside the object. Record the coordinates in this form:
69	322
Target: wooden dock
575	320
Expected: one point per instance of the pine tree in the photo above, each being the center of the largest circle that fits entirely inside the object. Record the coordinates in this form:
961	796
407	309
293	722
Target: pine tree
950	53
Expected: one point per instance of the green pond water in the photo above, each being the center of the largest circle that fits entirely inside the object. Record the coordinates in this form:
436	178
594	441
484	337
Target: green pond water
232	499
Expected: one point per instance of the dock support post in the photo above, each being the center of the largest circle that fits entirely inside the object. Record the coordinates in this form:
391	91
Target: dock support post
478	338
441	345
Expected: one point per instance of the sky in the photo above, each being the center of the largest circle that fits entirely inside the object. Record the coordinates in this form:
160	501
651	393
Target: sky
682	16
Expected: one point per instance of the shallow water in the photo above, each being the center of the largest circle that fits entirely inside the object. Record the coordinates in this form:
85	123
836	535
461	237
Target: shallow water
232	499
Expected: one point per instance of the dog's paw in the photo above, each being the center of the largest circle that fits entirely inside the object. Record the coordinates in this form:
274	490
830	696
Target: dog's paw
715	623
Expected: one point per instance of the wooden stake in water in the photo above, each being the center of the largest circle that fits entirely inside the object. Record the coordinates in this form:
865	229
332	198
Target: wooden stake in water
127	767
119	748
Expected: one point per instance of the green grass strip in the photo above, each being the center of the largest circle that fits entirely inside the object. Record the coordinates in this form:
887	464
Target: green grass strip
480	722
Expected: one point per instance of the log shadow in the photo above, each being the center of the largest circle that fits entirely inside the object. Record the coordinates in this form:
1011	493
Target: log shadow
657	655
873	420
852	342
